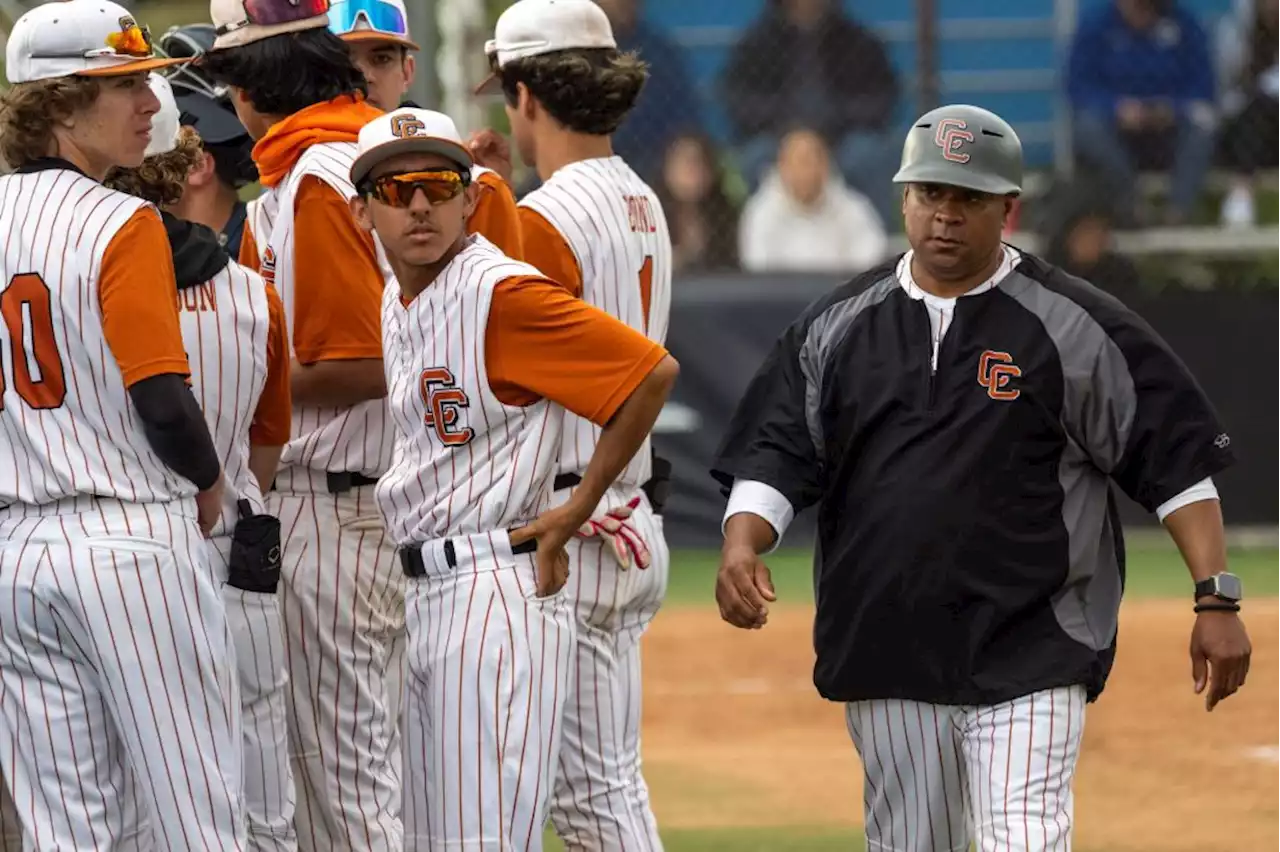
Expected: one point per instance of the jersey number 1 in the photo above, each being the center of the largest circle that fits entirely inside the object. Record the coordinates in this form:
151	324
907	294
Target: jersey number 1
646	288
27	307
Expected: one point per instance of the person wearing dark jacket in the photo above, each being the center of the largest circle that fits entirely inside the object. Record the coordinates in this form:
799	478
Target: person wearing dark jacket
959	414
233	328
1141	83
804	63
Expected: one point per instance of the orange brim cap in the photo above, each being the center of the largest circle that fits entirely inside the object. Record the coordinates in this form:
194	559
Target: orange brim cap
378	35
135	67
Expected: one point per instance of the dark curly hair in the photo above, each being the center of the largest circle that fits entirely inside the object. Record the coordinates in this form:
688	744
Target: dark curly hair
29	112
287	73
162	178
587	91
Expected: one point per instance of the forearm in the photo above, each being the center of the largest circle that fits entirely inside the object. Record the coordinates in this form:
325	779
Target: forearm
263	462
1197	530
176	429
747	529
337	384
623	436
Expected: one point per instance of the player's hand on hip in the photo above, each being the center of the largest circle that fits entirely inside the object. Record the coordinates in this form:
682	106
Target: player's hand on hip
744	588
490	149
209	505
552	529
1220	653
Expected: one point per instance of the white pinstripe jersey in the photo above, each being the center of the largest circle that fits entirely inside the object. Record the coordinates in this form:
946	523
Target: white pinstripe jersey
68	426
464	461
225	326
358	438
614	225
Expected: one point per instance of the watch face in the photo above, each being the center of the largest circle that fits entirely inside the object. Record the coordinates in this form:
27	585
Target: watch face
1230	587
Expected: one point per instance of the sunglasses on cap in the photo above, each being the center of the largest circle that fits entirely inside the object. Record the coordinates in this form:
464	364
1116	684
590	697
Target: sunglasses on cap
268	13
379	15
132	40
398	190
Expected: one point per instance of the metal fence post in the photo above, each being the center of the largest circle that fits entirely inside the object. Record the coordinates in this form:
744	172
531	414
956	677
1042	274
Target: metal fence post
927	84
422	24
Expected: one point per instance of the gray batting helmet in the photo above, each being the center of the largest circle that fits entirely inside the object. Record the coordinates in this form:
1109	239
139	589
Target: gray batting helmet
962	145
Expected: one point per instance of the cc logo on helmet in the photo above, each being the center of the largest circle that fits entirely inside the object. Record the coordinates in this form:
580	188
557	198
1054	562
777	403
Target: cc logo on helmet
949	136
403	126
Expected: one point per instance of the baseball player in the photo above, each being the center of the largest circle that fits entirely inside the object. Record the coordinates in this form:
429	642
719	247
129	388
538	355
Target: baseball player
211	196
959	412
233	326
117	688
481	353
377	33
594	226
342	594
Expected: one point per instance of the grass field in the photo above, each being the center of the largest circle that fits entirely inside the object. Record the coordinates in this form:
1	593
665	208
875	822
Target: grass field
1156	576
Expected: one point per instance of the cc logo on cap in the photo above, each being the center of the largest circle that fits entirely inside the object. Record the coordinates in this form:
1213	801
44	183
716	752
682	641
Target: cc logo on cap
404	126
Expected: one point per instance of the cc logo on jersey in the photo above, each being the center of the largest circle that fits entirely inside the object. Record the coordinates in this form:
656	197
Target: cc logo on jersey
995	369
443	402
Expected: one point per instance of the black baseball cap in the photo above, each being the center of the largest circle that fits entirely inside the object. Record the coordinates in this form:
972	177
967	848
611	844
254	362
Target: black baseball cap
214	120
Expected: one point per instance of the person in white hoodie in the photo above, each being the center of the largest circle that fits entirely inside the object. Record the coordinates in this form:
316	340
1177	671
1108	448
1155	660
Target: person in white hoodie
804	218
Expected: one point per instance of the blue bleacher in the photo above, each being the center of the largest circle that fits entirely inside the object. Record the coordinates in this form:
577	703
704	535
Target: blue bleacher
1000	54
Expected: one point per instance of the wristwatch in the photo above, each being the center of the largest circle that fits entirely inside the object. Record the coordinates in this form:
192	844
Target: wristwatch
1224	586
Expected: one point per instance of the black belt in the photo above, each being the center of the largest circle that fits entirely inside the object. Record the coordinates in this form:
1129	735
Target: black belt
413	565
566	480
342	481
657	489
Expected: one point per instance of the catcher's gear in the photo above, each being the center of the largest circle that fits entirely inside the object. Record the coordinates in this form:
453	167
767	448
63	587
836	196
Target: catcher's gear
962	145
620	538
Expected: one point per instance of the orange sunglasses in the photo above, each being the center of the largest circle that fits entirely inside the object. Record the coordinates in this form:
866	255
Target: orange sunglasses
397	190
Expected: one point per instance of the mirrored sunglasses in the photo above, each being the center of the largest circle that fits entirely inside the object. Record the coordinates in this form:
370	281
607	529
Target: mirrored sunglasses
398	190
378	15
268	13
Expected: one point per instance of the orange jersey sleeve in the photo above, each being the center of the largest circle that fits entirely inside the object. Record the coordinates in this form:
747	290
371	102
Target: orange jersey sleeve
496	216
273	418
249	257
137	293
543	342
546	248
337	283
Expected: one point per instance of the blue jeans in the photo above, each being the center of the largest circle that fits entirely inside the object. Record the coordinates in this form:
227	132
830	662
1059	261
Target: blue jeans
1099	142
867	160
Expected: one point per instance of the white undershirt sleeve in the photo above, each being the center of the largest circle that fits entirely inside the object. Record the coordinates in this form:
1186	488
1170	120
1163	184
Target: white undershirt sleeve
1202	490
767	502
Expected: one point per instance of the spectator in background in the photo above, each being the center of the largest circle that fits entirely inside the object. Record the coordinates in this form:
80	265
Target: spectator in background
804	64
1140	80
1082	245
702	219
805	218
1250	79
668	104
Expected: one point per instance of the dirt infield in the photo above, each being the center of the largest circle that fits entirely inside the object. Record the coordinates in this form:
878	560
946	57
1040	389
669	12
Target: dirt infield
736	736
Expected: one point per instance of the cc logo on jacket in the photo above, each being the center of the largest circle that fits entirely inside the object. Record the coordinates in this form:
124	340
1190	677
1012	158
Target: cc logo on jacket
995	371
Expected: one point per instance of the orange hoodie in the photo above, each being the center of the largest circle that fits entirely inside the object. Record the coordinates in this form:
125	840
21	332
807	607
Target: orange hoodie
338	120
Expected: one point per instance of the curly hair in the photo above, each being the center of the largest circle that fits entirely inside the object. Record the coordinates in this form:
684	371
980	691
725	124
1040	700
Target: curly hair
162	178
586	91
30	111
287	73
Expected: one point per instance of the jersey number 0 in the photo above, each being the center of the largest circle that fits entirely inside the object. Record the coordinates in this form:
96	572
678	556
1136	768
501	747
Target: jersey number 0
38	376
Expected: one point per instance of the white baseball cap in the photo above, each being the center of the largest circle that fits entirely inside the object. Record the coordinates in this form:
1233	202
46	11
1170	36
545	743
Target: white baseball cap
166	125
534	27
86	38
240	22
408	131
